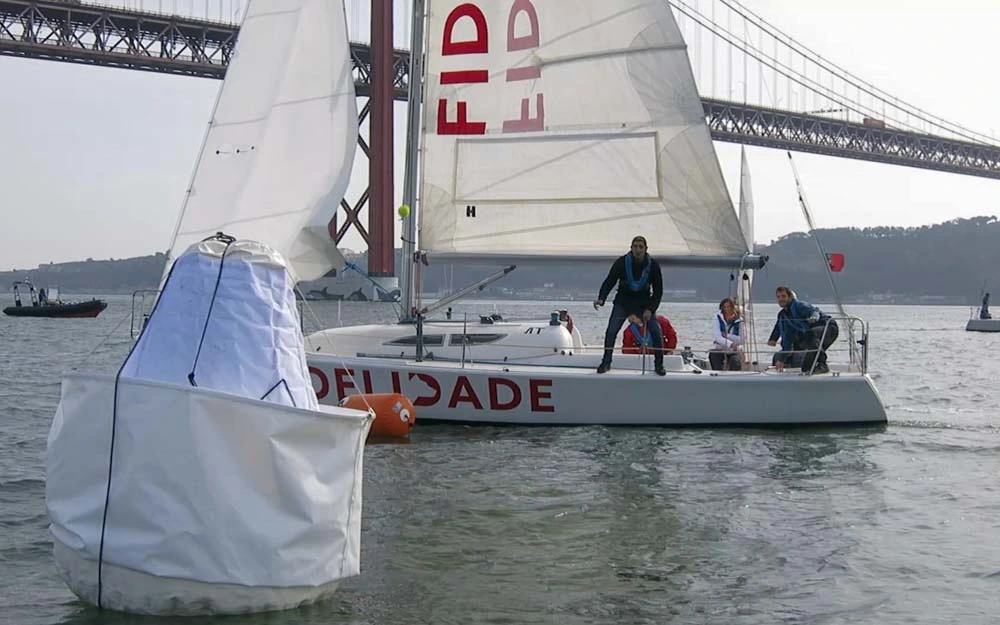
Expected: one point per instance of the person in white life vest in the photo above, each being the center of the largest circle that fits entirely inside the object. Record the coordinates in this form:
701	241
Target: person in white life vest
727	338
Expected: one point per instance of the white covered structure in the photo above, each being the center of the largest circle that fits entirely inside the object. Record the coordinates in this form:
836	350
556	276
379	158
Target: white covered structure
177	494
205	477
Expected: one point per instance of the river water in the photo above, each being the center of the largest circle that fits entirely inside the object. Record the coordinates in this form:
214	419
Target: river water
568	526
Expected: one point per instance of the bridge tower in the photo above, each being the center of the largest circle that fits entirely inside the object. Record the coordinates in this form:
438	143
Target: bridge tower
384	80
380	174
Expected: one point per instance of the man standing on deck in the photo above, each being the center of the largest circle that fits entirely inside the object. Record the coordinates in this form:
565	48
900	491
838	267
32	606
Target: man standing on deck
640	288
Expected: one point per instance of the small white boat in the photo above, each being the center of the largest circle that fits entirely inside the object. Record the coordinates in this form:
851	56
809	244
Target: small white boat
983	321
982	325
584	130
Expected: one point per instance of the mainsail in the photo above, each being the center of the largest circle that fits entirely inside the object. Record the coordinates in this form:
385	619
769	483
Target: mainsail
280	146
563	132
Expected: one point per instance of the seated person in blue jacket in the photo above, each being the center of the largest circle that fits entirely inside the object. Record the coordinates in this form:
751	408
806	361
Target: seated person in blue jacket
801	327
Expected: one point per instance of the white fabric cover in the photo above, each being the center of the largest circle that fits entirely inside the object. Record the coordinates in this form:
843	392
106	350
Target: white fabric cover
253	337
279	149
208	489
623	148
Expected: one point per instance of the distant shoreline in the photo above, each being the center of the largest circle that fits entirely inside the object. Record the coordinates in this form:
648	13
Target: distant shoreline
947	264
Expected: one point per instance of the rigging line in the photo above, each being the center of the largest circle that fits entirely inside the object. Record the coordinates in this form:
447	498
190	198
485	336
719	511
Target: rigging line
789	72
315	318
794	76
882	96
88	356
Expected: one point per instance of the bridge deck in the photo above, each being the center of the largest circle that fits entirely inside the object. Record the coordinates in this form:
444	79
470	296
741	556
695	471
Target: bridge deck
115	37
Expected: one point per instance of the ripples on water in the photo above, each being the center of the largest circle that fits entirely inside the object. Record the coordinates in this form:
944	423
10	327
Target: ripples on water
598	525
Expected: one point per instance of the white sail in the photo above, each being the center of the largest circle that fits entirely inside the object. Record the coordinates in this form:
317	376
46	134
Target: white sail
278	152
746	201
557	131
745	285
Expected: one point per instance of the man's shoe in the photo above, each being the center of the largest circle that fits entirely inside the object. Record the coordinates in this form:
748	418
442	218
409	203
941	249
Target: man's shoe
661	371
604	368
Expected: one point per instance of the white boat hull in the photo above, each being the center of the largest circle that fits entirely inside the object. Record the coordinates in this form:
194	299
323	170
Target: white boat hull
983	325
564	395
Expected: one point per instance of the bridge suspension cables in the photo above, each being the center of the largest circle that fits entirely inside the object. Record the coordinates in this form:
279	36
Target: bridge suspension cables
791	76
759	86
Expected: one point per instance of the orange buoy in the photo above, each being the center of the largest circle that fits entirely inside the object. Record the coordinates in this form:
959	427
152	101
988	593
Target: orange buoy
394	413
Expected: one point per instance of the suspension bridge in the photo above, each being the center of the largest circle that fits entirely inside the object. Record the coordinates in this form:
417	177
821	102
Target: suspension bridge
744	65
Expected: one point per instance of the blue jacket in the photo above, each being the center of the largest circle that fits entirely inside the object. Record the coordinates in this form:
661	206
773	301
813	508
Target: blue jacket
796	318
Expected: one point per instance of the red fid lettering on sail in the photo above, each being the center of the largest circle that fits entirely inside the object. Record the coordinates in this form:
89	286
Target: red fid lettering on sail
522	35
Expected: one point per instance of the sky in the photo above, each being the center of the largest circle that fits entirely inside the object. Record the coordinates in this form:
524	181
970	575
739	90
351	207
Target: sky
94	161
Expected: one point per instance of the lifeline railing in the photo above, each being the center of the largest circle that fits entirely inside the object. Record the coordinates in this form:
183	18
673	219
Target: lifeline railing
143	295
853	338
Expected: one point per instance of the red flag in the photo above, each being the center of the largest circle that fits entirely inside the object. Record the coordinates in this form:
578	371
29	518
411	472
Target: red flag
836	261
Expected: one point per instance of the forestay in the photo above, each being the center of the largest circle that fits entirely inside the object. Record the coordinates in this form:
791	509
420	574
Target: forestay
563	133
278	153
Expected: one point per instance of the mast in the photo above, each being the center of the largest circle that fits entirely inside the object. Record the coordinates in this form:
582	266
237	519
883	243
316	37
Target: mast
410	266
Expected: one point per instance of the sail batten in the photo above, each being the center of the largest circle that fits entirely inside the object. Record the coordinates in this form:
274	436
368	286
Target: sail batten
603	54
566	133
278	152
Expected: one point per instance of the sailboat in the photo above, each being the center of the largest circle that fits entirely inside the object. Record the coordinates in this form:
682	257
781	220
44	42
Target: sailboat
204	477
554	135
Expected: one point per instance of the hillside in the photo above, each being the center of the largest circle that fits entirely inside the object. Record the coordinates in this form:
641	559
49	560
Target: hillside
942	263
94	276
